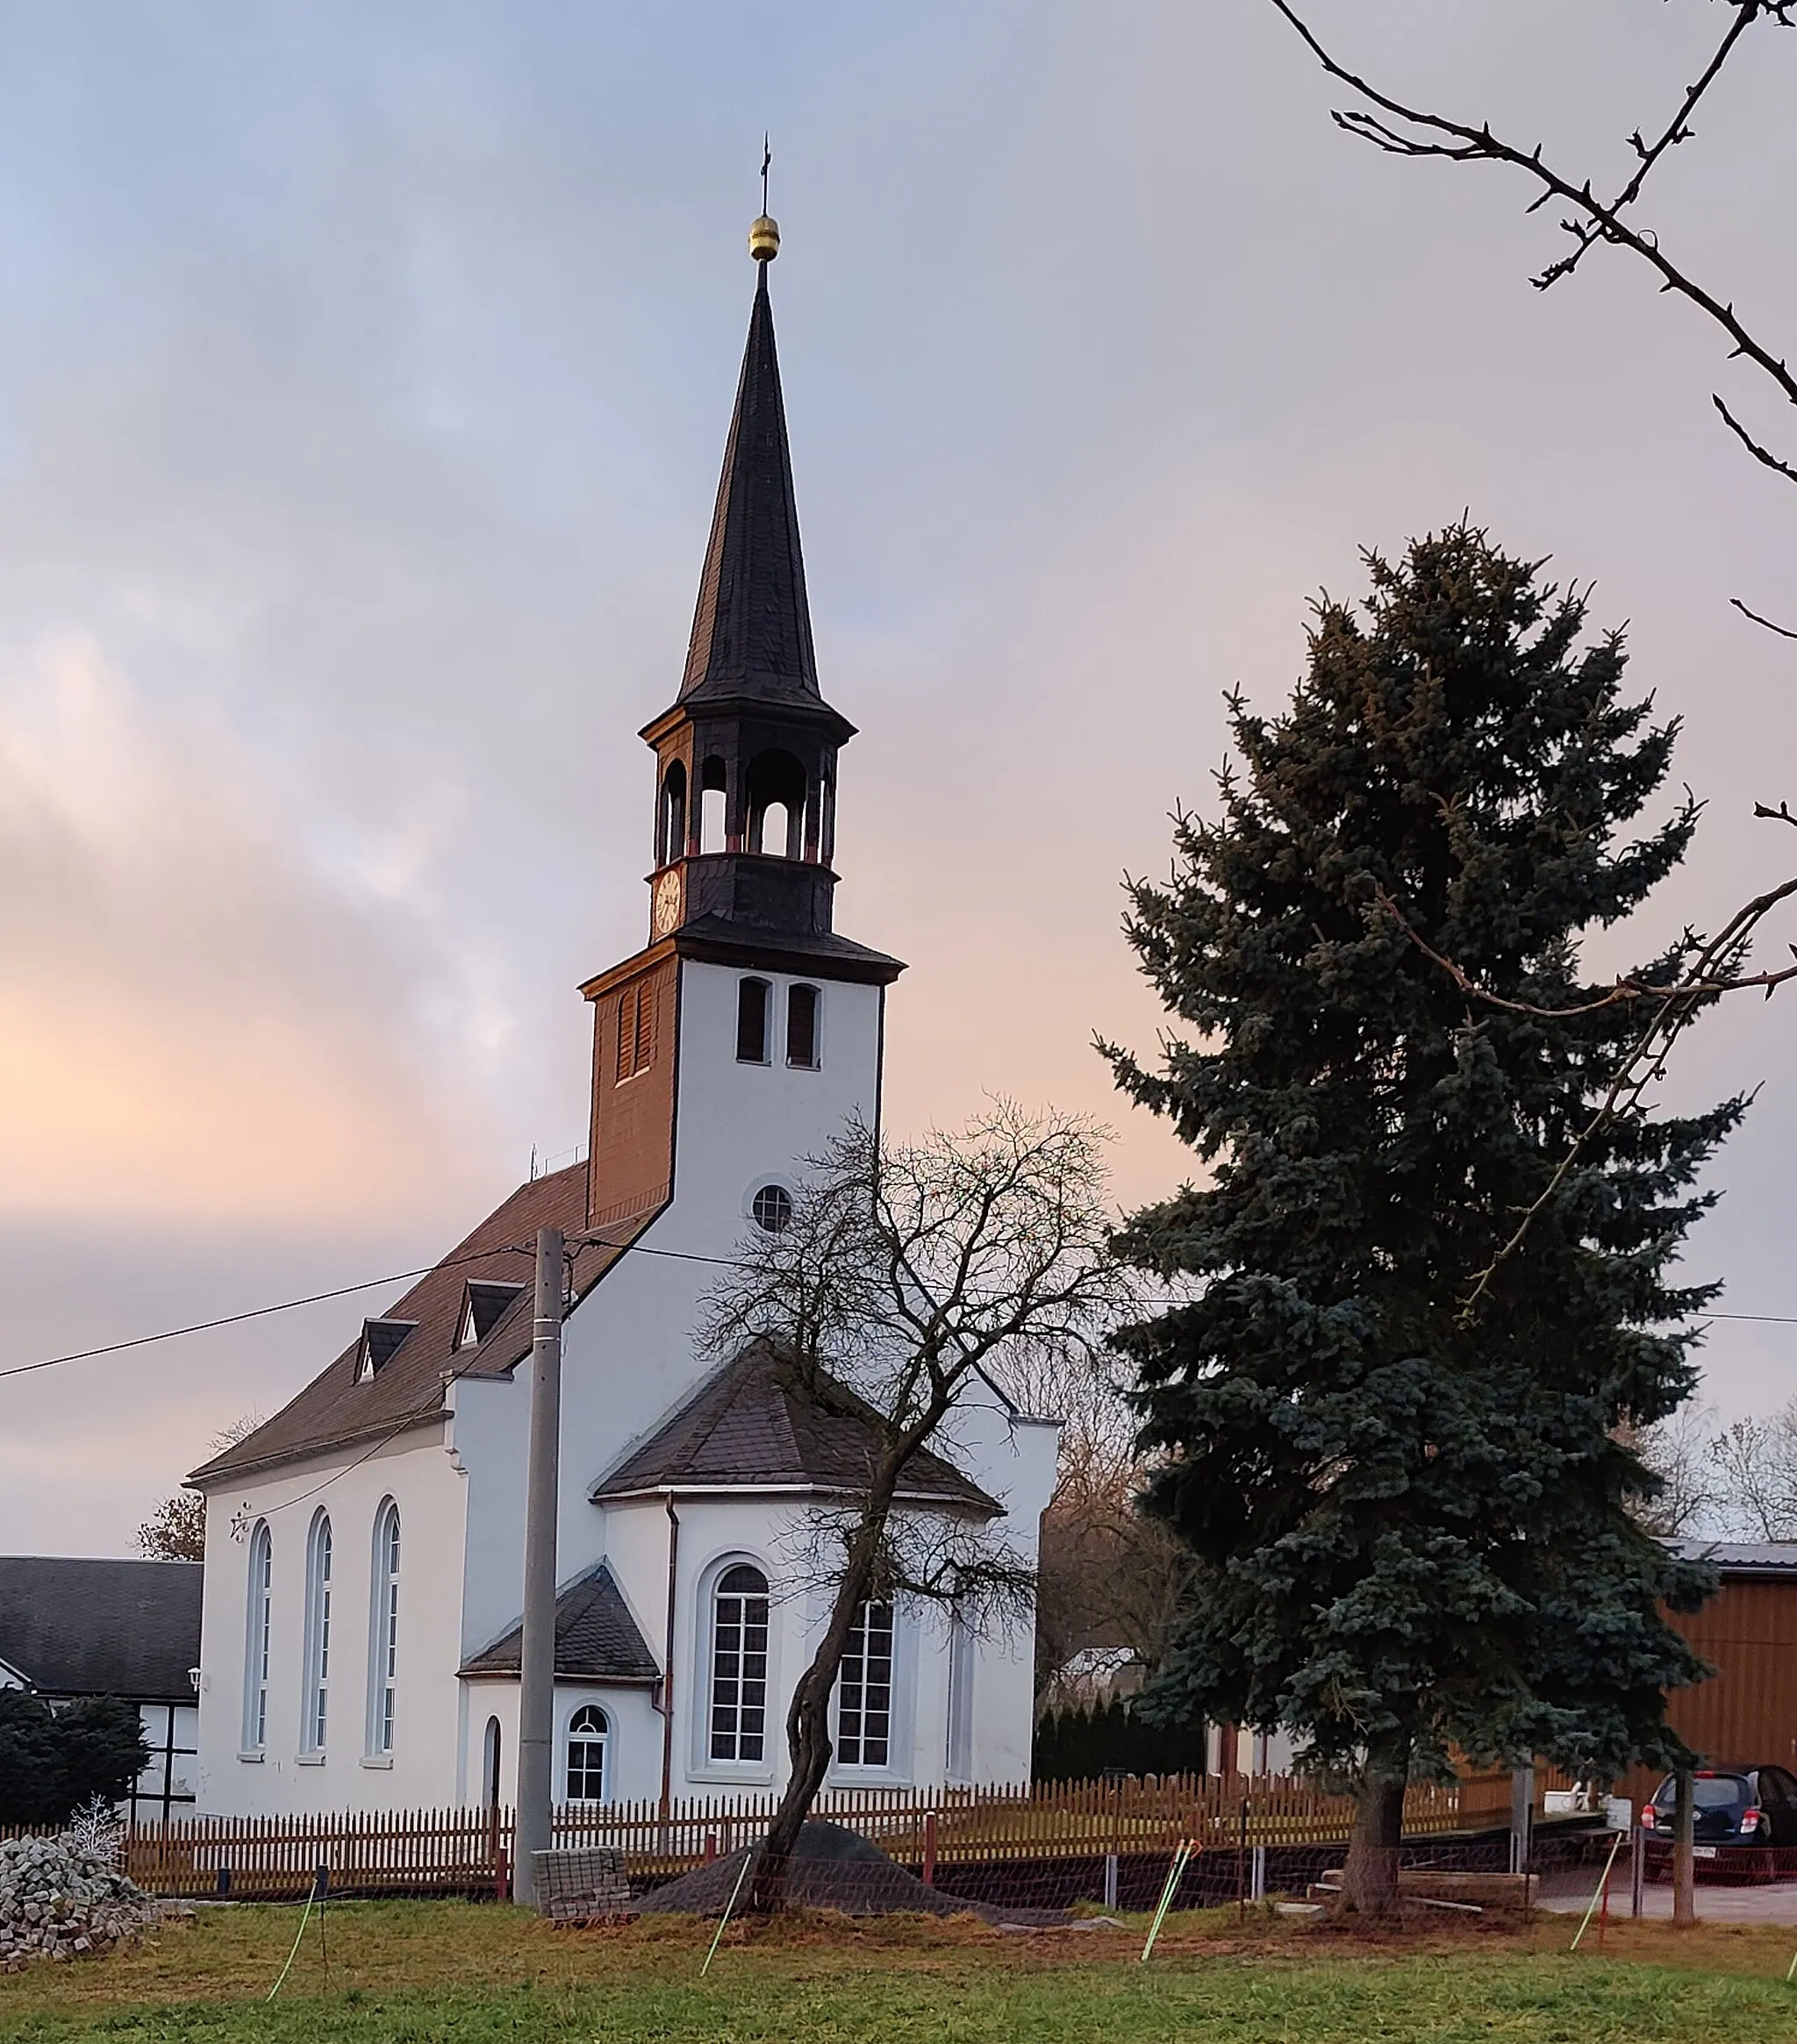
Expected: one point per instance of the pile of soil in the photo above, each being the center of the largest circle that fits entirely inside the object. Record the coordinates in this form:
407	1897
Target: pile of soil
832	1867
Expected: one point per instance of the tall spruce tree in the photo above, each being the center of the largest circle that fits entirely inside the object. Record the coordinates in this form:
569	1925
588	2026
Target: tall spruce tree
1412	1522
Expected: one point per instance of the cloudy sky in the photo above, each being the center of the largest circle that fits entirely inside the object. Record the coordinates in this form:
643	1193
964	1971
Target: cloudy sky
363	376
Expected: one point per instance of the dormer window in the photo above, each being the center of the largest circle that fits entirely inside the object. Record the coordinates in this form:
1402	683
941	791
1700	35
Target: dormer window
381	1342
484	1305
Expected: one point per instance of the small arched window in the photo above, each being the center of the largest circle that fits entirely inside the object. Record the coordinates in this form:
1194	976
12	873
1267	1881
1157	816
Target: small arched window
587	1736
383	1631
739	1704
802	1003
315	1692
752	1004
257	1636
772	1208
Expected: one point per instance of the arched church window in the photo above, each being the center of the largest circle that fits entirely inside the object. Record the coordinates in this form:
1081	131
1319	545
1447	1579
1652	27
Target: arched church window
490	1766
864	1691
258	1634
712	806
802	1027
587	1736
670	826
315	1694
752	1004
739	1704
383	1631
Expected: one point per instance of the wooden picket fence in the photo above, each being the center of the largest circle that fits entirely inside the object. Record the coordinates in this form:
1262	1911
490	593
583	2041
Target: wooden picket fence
464	1852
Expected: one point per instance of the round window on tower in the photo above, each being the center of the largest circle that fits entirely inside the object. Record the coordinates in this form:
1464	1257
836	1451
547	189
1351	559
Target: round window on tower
772	1208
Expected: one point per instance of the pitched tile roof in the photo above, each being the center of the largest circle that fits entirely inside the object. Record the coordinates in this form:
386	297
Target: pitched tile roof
334	1410
750	1423
596	1638
76	1627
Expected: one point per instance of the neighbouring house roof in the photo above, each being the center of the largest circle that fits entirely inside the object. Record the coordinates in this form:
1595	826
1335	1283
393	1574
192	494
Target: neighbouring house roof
1741	1557
72	1627
596	1638
344	1404
751	1424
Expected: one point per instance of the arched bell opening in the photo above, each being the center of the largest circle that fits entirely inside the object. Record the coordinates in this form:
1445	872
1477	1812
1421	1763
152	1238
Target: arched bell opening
670	817
713	801
774	789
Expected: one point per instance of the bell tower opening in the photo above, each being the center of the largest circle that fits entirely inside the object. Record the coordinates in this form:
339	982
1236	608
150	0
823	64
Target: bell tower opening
670	821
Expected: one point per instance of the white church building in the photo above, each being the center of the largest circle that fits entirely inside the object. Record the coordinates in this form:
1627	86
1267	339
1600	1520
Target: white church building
365	1546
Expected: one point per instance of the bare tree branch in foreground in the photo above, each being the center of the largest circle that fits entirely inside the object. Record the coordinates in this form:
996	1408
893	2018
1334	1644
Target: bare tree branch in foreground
1402	130
908	1275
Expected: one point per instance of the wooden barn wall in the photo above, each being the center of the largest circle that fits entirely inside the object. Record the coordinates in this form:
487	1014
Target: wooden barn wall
1747	1710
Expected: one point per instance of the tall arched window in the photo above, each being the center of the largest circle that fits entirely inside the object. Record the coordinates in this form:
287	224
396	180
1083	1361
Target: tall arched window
257	1632
802	1027
490	1766
738	1665
316	1690
383	1642
864	1696
752	1005
588	1737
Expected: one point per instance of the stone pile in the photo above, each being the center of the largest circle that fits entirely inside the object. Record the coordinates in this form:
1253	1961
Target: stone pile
59	1900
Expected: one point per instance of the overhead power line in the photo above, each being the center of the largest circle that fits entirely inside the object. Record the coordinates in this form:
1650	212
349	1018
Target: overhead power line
343	1292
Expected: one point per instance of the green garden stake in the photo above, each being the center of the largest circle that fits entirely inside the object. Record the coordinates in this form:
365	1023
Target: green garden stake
1592	1910
1167	1894
717	1938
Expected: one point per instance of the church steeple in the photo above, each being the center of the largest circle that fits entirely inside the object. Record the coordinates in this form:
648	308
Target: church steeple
745	823
751	631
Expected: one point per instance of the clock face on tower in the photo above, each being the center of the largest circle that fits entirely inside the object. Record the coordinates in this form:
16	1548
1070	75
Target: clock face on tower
664	914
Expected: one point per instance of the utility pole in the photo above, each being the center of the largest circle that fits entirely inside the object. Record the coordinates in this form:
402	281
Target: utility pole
1684	1858
536	1686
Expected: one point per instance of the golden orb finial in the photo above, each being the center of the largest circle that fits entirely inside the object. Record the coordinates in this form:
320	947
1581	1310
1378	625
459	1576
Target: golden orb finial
764	239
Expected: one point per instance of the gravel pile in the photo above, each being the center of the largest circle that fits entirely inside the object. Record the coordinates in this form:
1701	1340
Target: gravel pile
832	1867
58	1901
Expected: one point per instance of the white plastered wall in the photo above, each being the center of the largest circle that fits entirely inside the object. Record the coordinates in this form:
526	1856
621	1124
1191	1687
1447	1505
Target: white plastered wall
425	1765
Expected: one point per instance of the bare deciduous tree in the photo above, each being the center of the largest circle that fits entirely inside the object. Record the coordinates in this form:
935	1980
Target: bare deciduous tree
1110	1576
175	1531
1754	1463
908	1275
1588	219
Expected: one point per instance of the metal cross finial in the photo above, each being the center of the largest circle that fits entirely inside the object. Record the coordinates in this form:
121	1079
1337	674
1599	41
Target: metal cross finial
766	158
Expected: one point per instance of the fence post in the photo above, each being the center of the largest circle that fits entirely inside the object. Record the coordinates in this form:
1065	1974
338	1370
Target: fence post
1637	1869
929	1848
1258	1874
1242	1866
1522	1817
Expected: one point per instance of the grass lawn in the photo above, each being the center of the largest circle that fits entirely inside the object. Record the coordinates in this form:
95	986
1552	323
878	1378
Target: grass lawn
419	1971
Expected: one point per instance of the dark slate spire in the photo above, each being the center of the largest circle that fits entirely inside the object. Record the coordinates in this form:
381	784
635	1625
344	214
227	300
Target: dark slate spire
751	633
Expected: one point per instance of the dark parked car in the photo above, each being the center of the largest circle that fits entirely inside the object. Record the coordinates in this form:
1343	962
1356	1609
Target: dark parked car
1731	1806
